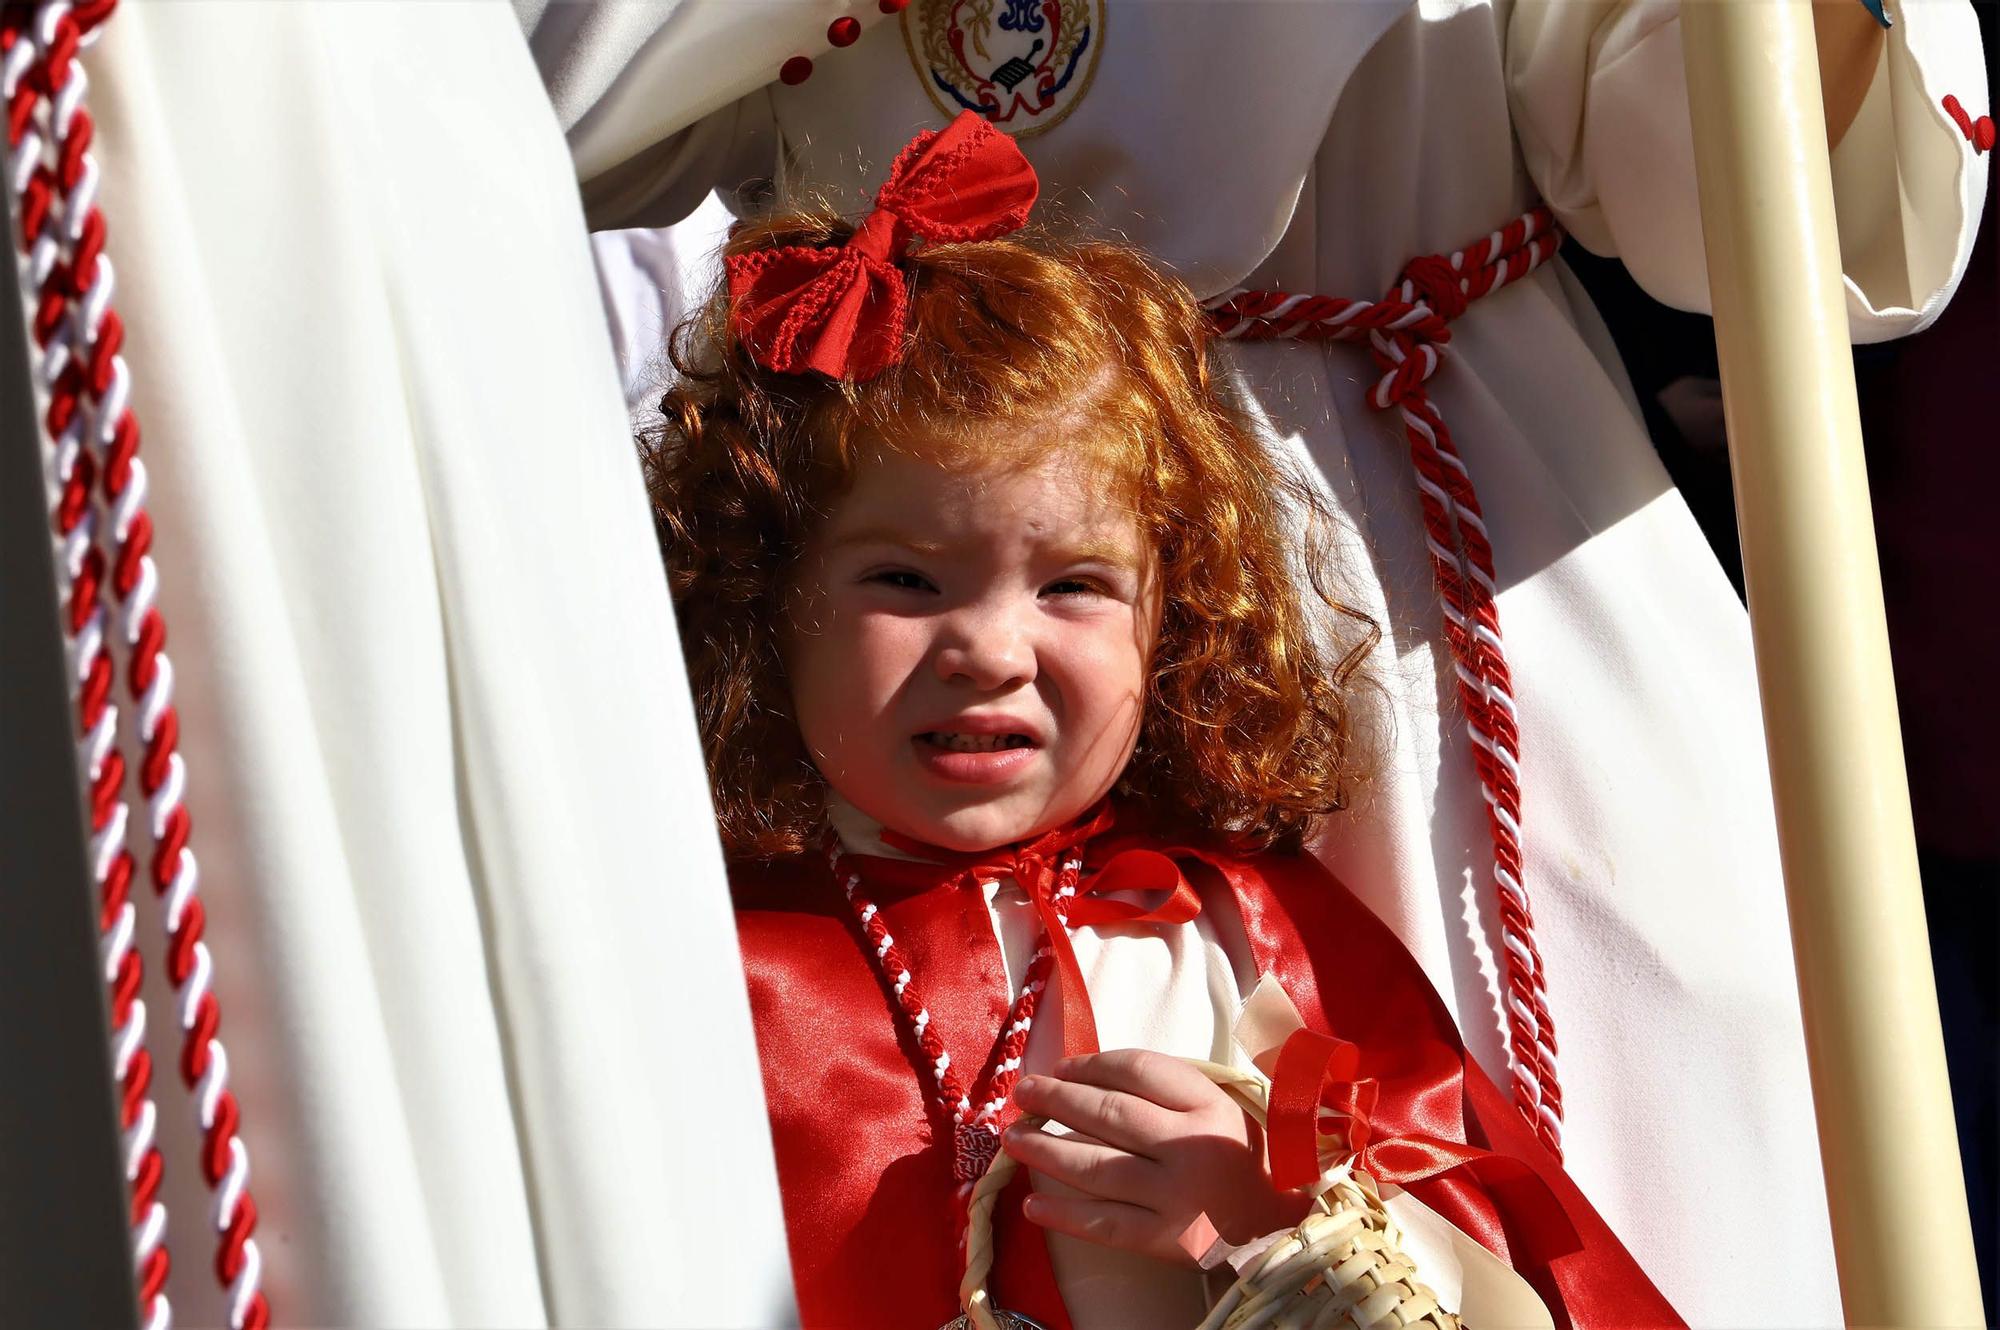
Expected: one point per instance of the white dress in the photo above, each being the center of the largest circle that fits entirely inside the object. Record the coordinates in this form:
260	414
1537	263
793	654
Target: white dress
1316	147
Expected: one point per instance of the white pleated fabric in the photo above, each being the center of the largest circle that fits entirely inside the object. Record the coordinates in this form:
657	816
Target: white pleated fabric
1316	147
474	953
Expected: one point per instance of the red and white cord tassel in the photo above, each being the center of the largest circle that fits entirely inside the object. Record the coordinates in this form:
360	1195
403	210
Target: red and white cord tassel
54	185
1406	332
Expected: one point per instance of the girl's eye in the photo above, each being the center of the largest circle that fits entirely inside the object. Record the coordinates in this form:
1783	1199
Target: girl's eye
1071	586
901	578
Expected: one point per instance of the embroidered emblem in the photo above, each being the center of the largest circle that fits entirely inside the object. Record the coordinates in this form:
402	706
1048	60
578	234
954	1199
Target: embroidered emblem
1023	64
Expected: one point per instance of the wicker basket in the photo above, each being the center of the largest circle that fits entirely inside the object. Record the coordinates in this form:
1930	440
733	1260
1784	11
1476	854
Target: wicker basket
1343	1266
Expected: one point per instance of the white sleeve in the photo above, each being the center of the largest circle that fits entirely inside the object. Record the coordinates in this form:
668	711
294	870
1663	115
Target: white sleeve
650	278
663	100
1600	108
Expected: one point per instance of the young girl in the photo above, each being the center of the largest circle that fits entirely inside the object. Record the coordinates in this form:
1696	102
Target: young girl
1015	716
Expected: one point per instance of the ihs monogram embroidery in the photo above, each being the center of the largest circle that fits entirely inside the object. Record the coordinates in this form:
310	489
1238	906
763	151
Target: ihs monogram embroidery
1023	64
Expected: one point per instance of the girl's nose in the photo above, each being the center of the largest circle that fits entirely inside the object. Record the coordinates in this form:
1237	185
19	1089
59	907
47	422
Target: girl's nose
987	651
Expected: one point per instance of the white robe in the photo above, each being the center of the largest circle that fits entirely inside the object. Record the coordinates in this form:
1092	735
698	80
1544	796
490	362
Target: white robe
476	962
1316	147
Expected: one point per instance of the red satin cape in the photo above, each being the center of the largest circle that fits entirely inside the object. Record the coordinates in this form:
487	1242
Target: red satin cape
865	1172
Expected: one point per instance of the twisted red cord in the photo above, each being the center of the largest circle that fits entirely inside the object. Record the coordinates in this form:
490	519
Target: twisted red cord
1406	333
72	300
85	608
976	1112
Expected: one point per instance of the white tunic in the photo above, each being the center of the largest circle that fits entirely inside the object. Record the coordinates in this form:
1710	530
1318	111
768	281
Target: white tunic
1316	147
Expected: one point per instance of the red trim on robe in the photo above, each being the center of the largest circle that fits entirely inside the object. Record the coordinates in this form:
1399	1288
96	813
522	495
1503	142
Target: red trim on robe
865	1171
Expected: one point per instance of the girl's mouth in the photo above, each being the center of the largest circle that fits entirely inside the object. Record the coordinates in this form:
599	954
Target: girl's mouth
973	759
974	743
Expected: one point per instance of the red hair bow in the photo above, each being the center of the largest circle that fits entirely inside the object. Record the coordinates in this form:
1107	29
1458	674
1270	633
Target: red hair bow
839	310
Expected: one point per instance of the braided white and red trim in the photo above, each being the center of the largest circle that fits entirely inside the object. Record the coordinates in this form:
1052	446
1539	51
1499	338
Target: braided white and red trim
79	585
53	184
1406	332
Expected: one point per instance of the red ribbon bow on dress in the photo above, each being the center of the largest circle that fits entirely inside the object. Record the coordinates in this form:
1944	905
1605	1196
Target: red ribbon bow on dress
1316	1071
1036	867
840	310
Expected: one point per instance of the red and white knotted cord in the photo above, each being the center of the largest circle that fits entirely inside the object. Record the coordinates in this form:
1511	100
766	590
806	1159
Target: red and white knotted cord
94	437
1406	331
975	1127
80	582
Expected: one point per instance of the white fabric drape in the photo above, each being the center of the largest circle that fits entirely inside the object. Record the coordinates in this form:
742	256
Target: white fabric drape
476	962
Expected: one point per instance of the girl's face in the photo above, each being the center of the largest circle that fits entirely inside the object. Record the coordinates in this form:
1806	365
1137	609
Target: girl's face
969	648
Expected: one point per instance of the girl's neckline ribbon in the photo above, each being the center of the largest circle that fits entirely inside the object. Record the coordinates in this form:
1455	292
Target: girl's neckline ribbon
840	310
1035	866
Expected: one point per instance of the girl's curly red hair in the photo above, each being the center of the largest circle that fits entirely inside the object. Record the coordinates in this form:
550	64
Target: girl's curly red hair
1247	730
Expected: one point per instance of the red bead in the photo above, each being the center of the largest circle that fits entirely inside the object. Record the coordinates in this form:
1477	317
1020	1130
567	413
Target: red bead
843	31
1982	133
892	6
795	71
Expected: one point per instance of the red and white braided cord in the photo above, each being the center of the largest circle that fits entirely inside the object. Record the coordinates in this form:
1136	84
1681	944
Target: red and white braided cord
80	578
1406	332
53	182
975	1125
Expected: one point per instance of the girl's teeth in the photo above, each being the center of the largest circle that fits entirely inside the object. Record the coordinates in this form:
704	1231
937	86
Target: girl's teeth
977	743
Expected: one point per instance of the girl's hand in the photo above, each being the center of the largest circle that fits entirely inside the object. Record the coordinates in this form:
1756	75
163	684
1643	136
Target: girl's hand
1158	1144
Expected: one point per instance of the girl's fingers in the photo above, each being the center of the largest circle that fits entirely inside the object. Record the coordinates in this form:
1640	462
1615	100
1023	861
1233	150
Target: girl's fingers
1127	1121
1087	1165
1155	1077
1106	1223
